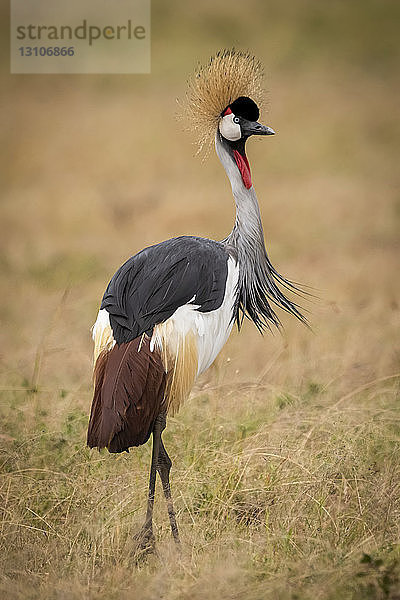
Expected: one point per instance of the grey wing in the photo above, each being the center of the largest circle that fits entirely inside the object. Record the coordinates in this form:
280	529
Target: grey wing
150	286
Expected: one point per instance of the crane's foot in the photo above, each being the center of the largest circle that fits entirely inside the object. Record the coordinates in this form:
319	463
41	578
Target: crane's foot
144	542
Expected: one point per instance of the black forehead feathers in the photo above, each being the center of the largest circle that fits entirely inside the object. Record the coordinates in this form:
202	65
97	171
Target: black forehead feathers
245	107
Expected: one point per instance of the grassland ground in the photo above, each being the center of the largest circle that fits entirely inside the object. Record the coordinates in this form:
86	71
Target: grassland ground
286	456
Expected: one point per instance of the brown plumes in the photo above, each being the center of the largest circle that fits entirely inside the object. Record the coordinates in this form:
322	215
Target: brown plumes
228	75
128	396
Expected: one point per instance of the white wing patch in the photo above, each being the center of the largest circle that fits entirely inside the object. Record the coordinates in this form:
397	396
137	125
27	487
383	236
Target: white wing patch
211	329
102	334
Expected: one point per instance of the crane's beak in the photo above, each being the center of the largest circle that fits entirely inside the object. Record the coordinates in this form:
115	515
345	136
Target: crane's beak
254	128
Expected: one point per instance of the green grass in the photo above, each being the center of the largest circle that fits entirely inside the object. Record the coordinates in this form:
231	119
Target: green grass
300	500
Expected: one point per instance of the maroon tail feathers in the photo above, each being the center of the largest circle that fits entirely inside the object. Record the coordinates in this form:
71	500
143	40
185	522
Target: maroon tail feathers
128	396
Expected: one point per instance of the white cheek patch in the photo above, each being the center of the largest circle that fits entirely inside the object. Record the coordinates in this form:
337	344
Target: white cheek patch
229	129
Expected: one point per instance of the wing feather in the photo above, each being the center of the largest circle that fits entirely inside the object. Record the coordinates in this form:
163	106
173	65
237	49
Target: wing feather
129	391
154	283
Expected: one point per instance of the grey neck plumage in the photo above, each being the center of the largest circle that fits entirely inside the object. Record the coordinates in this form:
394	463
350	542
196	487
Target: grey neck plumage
258	280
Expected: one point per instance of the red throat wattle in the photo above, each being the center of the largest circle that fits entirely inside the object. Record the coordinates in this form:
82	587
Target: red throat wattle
244	168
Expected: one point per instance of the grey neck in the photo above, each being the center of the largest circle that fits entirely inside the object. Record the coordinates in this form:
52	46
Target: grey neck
248	229
259	283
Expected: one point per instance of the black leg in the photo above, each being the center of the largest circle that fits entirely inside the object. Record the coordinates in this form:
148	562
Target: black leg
145	538
163	467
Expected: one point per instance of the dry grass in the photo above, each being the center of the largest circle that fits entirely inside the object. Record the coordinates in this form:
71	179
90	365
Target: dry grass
286	457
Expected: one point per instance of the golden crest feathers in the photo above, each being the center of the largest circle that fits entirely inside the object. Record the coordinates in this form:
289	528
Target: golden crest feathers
227	76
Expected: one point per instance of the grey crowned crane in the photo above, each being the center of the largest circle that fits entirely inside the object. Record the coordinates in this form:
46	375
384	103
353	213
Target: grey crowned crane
168	311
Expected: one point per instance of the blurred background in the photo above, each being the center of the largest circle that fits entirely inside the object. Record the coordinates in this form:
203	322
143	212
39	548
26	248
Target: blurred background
97	167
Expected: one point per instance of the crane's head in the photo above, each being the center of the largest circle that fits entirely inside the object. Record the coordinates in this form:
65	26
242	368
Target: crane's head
239	121
224	98
224	95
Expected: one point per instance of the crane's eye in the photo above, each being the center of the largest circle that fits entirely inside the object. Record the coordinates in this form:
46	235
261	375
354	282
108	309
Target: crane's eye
236	119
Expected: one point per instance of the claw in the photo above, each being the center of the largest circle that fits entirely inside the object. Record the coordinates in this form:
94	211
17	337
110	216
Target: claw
144	542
